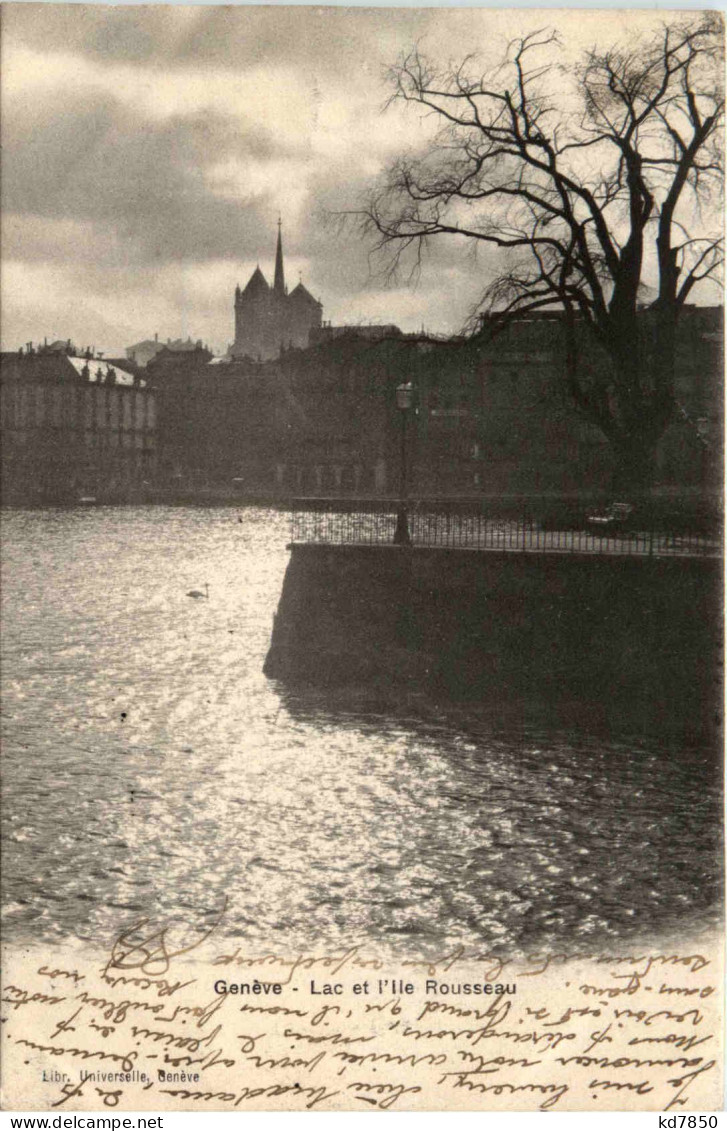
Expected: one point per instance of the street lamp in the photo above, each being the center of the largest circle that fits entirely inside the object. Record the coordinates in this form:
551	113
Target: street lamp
404	402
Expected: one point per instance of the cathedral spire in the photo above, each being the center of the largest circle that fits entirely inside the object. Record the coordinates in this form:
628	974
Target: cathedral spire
279	283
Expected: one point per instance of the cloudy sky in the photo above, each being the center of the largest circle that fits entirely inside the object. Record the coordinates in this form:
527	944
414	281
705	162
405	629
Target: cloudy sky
147	153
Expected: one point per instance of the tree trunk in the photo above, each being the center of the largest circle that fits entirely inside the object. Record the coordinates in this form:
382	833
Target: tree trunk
643	359
633	470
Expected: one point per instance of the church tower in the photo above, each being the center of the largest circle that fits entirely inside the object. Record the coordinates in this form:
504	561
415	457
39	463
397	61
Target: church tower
268	319
279	284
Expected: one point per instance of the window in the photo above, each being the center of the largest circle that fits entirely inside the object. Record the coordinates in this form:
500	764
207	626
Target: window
113	408
39	405
56	405
101	407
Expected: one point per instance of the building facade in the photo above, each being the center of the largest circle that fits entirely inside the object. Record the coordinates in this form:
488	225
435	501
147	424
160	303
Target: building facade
491	417
74	427
141	354
268	319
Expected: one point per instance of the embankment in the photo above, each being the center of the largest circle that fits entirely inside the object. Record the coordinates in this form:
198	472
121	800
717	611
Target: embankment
636	630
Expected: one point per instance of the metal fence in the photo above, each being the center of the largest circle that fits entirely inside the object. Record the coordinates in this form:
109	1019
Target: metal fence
467	524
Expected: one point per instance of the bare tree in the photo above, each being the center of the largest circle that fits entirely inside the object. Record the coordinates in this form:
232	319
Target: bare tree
591	178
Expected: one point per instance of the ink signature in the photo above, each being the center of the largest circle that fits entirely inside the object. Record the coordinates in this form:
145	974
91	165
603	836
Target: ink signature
138	948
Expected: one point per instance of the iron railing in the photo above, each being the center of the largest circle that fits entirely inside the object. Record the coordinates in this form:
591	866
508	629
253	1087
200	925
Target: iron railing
471	524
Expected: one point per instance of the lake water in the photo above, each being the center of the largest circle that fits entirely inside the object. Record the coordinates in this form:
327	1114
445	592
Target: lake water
151	769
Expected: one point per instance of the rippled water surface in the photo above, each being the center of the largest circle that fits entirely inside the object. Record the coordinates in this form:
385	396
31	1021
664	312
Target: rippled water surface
151	768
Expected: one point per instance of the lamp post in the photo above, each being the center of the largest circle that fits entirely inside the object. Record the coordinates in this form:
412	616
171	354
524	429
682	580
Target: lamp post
404	402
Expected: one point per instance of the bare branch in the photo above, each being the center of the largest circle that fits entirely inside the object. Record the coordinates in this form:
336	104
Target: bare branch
581	192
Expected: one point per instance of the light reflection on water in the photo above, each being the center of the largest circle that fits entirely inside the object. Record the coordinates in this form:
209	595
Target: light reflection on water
150	768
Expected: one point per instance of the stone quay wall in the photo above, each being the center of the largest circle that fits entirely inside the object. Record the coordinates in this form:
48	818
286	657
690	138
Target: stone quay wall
638	631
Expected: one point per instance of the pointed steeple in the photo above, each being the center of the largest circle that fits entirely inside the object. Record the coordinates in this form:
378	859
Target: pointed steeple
279	283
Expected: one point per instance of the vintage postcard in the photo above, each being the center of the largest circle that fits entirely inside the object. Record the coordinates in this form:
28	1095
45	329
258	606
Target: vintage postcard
362	558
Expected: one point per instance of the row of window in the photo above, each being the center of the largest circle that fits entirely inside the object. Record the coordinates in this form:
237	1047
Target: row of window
27	406
323	478
25	461
22	437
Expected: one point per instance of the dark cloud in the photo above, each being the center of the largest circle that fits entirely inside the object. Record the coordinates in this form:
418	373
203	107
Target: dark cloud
89	158
452	274
116	212
227	37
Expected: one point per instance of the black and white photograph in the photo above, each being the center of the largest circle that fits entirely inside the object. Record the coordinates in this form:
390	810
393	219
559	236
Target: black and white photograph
362	517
